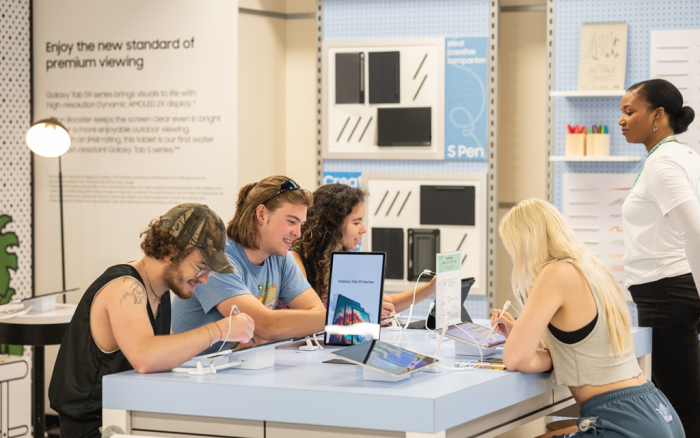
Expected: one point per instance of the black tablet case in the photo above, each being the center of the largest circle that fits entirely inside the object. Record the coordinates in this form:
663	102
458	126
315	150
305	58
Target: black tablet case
349	78
384	81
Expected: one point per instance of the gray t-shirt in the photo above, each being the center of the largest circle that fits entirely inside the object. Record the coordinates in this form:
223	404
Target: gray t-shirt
279	279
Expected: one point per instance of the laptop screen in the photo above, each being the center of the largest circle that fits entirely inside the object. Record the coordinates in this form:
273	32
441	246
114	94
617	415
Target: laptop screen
355	286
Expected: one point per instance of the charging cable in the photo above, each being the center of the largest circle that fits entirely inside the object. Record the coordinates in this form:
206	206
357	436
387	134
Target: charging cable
8	311
200	370
311	347
430	309
410	309
468	366
234	309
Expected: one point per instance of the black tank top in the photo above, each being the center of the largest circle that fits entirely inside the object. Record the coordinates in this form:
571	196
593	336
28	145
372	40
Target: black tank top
75	390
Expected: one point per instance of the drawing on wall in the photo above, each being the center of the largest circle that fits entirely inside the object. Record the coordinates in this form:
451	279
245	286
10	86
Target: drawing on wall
603	57
8	260
676	60
466	73
592	204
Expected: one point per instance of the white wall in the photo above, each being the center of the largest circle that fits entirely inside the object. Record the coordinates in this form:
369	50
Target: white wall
277	96
522	122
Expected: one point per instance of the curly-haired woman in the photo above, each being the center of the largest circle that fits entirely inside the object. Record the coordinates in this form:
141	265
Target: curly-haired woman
335	222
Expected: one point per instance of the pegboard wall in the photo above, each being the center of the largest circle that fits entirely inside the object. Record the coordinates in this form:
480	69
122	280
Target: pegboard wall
15	157
16	192
642	17
385	19
344	20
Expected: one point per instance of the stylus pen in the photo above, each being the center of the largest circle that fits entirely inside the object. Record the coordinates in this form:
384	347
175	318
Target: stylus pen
505	307
236	312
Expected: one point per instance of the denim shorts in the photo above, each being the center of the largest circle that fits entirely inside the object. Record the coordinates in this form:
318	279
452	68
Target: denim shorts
637	412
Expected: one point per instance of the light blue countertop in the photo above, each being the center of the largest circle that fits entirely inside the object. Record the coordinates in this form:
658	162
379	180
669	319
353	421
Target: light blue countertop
302	389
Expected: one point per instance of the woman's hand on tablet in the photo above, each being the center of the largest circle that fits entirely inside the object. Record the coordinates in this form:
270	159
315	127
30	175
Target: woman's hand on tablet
387	306
503	321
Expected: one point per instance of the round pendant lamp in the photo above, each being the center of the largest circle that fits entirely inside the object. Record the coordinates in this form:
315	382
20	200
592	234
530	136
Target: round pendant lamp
48	138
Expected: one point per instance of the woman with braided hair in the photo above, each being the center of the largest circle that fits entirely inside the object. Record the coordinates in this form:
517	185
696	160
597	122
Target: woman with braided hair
335	222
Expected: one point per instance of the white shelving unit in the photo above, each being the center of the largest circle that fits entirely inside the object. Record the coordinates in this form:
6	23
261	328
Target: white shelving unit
613	158
588	93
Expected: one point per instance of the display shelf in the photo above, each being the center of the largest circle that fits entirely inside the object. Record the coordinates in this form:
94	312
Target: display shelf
588	93
609	158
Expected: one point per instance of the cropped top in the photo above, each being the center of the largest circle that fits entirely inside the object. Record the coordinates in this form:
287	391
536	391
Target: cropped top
591	361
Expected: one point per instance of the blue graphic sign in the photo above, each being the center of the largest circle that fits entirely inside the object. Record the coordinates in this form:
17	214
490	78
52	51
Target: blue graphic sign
466	108
350	178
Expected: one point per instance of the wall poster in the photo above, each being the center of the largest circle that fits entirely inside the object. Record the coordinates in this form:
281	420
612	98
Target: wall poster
148	92
676	59
592	204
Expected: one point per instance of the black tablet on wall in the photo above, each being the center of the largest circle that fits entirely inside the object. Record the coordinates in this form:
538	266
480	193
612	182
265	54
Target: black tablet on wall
423	246
349	78
384	77
404	126
447	205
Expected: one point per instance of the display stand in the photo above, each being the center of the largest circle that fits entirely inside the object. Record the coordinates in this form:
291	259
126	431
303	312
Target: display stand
255	358
370	374
467	349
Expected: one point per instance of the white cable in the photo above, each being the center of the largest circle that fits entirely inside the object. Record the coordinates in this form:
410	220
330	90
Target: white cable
481	354
201	370
21	312
223	341
430	309
318	344
410	309
442	335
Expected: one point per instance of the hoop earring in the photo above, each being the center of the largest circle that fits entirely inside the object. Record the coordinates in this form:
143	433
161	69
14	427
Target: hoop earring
654	126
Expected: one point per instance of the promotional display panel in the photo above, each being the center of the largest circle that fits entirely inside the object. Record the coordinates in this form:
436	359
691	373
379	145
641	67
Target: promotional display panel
448	290
676	60
147	92
593	208
355	291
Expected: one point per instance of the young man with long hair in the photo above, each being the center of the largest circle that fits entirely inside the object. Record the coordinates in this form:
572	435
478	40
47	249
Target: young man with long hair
122	319
268	218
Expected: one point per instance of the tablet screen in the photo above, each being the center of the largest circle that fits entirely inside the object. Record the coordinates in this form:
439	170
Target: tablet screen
477	332
355	287
385	357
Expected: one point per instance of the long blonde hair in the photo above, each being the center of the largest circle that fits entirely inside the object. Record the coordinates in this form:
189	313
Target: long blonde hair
534	233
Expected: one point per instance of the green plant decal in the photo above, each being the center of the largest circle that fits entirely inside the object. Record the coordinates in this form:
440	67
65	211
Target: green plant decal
7	260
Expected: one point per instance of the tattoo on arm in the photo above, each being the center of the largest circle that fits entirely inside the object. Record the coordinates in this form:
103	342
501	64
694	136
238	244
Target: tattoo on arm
135	290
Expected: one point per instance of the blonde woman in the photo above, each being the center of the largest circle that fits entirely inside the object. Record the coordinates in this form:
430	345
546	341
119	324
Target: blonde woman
571	299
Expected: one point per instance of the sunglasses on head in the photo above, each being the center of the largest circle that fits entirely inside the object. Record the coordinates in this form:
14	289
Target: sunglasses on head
284	187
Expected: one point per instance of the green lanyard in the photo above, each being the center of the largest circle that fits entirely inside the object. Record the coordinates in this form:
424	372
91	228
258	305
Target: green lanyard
665	140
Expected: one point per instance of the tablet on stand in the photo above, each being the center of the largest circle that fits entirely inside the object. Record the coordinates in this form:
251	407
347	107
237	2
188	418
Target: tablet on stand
385	362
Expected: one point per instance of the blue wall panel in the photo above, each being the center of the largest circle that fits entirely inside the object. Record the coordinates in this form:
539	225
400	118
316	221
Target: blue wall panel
389	19
383	19
642	17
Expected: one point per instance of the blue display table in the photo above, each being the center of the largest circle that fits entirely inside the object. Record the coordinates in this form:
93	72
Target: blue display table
301	396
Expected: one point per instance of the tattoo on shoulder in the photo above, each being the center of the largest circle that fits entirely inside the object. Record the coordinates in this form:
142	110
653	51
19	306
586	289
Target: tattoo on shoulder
134	290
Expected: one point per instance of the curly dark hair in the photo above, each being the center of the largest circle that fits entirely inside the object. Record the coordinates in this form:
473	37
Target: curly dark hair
322	232
159	243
